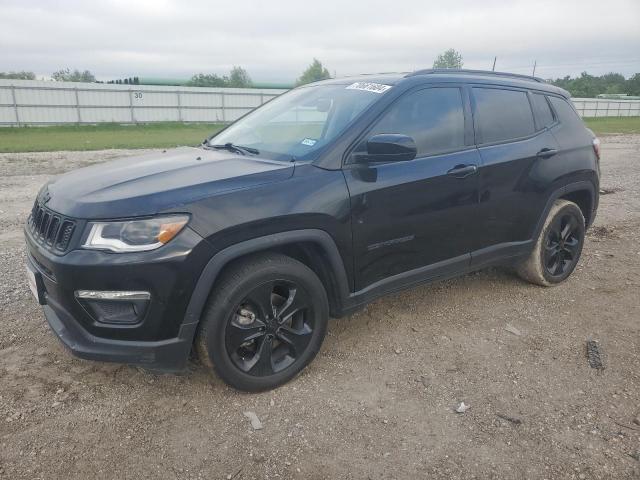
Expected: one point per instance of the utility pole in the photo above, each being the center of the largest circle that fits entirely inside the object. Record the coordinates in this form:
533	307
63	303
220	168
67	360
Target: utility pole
493	69
535	62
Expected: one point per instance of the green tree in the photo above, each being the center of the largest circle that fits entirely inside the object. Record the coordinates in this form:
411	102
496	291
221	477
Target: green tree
18	75
313	73
66	75
590	86
207	80
238	77
633	85
449	59
613	83
585	86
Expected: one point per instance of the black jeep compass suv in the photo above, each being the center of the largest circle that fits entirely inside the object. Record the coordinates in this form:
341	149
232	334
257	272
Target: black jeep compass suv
312	205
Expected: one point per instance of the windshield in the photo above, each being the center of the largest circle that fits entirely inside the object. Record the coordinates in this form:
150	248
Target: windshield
297	124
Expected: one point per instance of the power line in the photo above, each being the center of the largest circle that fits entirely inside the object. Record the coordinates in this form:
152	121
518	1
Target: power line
577	64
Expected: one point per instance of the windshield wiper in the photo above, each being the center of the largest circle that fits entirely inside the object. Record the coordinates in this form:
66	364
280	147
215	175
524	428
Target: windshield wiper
232	147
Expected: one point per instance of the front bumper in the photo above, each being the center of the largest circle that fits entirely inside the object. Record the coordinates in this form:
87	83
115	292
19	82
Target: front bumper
162	339
165	356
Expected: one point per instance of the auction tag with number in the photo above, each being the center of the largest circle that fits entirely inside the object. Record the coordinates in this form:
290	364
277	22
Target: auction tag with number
369	87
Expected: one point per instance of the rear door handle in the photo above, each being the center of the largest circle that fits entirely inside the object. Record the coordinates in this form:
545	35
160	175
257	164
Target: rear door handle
462	171
546	153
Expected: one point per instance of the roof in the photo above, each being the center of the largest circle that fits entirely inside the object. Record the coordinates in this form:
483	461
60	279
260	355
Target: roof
453	75
484	73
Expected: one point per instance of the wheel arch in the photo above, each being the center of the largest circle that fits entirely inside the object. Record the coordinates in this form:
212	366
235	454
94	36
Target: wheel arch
582	193
584	199
315	248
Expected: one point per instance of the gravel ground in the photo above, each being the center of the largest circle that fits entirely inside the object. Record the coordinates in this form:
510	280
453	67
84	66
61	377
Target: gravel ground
378	402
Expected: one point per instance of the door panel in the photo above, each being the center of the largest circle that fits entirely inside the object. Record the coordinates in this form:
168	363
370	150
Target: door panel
408	215
413	214
514	168
513	181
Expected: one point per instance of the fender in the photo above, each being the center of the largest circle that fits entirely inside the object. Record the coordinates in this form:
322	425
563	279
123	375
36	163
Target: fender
508	252
571	187
223	257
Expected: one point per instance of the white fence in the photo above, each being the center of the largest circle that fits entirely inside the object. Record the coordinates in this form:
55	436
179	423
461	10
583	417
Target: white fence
604	107
33	102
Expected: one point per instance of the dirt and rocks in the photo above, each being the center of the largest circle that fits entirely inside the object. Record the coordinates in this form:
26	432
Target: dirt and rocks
379	401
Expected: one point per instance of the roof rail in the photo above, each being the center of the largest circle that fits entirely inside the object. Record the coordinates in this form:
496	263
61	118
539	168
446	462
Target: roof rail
454	71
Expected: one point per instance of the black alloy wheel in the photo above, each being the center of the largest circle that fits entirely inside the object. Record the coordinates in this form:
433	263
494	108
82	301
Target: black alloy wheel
562	245
558	246
270	329
264	322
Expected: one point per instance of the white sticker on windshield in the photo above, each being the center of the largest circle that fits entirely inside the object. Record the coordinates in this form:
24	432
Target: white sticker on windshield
369	87
308	142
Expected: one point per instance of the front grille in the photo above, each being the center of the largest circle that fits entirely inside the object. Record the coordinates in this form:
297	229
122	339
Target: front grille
50	229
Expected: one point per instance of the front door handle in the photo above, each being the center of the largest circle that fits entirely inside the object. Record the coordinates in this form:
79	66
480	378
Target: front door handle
546	153
462	171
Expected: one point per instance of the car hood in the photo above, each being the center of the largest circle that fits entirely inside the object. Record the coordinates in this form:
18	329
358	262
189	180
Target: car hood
148	184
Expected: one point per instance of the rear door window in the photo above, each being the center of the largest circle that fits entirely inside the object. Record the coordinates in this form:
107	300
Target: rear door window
502	115
541	110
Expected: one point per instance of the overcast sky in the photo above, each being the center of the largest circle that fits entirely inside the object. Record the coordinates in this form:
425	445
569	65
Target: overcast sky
275	40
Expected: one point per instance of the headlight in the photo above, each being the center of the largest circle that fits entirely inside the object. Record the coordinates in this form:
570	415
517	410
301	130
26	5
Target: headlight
134	235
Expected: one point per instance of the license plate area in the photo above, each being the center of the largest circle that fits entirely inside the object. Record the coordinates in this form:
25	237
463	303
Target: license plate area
34	280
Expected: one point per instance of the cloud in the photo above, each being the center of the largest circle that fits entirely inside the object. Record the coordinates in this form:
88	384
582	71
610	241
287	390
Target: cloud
277	40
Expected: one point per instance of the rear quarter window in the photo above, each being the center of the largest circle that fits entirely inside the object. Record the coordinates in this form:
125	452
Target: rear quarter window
566	113
502	115
541	110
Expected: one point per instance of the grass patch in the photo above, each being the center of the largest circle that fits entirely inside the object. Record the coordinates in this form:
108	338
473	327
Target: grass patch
103	136
606	125
167	135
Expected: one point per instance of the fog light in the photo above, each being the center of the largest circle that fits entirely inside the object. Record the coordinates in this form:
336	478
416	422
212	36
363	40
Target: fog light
112	295
114	307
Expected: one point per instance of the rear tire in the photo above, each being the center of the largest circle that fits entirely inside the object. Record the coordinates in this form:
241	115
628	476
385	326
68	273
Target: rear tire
265	321
557	248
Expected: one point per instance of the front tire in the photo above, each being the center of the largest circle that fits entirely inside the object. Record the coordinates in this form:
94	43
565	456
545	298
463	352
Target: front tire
558	247
264	322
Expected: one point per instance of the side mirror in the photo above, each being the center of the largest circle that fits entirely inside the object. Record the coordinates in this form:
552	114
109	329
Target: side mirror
389	147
